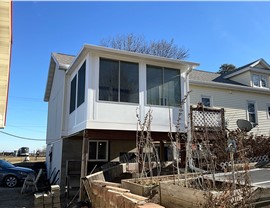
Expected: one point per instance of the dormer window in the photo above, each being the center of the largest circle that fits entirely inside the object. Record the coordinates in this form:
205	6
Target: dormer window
259	80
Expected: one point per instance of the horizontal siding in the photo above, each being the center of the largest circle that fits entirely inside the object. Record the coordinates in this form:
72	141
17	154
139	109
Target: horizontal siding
244	78
5	50
235	103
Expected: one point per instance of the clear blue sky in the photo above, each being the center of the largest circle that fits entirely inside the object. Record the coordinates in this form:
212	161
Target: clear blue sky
214	32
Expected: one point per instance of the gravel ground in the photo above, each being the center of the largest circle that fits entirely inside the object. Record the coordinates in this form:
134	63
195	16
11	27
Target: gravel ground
12	198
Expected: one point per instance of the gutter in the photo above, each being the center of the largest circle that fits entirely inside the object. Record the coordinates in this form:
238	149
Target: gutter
230	86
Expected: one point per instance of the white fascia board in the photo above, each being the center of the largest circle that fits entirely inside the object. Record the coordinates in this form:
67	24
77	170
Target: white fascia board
86	48
229	86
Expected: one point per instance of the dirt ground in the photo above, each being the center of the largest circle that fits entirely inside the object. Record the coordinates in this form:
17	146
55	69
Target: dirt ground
13	159
12	198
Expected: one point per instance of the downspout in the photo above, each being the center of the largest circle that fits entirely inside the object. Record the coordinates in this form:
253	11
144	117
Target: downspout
189	160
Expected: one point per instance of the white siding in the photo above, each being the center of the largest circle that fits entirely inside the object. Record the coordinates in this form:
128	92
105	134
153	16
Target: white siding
244	78
55	107
235	105
95	114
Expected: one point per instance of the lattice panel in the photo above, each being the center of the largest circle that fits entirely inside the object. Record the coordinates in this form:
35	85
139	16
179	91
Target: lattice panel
206	119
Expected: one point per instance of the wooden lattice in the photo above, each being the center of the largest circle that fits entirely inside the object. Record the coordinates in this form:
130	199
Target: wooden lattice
207	118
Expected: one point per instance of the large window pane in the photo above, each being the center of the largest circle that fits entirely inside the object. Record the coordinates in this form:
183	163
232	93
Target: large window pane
264	81
92	150
154	85
73	95
171	87
108	80
251	112
256	80
102	150
129	82
81	85
163	86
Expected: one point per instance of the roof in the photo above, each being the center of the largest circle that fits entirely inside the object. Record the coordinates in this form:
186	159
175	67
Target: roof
204	76
242	69
63	59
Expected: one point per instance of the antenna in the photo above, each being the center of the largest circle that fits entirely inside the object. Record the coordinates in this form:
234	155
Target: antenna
244	125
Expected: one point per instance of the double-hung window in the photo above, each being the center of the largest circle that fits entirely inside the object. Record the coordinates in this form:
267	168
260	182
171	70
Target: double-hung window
98	150
118	81
163	86
251	112
259	80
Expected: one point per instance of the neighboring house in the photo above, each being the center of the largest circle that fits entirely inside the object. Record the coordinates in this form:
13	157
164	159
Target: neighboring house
243	93
94	99
5	55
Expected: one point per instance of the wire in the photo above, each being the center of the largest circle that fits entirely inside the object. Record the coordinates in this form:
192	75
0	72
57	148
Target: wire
25	138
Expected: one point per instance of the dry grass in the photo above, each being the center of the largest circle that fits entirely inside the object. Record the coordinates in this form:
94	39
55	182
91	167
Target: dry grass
13	159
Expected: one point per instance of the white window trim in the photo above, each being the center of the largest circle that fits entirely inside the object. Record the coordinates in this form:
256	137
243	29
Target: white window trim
267	111
107	151
255	108
210	98
260	83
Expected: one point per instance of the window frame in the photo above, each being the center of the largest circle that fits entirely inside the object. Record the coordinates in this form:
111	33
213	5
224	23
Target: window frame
260	83
81	75
268	110
163	100
96	159
255	111
119	73
210	100
73	92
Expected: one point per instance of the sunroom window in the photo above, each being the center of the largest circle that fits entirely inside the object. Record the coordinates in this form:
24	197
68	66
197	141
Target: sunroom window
118	81
163	86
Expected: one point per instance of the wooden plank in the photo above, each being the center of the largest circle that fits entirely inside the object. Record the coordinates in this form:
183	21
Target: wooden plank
176	196
82	194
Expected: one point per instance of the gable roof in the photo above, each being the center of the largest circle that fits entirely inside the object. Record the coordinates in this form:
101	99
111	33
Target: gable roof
260	62
215	80
204	76
57	59
64	60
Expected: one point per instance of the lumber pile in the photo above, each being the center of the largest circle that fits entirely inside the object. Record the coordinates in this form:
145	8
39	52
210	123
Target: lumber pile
111	195
48	199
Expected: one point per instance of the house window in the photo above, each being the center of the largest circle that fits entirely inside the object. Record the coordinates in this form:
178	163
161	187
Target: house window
259	80
206	101
118	81
163	86
81	85
73	94
98	151
251	111
268	111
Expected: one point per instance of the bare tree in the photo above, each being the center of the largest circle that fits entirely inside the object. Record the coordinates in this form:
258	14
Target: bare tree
138	44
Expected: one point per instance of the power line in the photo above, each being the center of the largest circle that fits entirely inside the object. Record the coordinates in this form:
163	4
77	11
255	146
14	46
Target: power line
19	137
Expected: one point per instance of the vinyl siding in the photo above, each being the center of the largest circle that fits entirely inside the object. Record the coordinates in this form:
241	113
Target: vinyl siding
5	53
244	78
234	103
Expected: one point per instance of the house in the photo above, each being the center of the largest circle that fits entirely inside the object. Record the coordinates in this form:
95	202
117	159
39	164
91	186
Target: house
243	93
5	55
96	98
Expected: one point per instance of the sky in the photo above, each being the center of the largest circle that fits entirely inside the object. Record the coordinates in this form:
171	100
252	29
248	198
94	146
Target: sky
215	33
